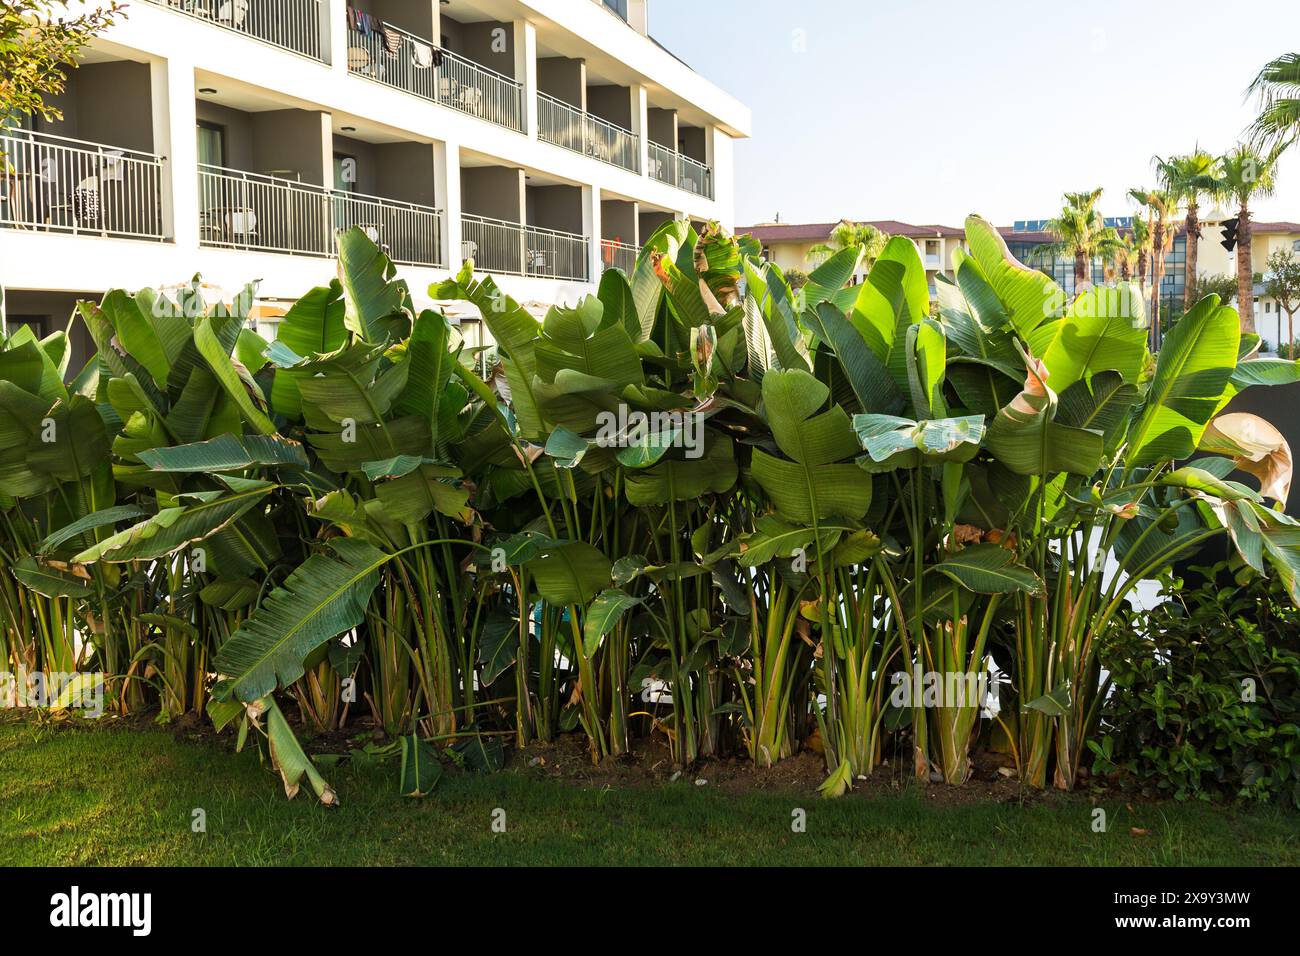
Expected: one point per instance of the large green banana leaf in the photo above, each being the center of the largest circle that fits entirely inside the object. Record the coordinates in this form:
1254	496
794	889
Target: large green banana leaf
684	479
1103	330
174	528
226	453
1025	437
377	304
324	597
870	380
1190	383
811	486
572	572
1028	296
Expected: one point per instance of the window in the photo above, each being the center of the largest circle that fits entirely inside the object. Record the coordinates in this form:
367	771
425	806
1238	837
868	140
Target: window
212	143
932	247
345	172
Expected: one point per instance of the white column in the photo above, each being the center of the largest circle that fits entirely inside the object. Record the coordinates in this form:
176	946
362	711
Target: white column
162	135
180	171
334	32
327	150
641	126
446	171
591	228
525	47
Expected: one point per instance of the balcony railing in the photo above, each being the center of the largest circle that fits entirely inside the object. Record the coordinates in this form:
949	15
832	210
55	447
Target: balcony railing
671	167
619	255
240	210
293	25
407	62
565	125
513	249
55	184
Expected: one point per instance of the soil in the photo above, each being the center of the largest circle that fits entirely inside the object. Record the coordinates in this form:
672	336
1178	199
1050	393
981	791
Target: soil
568	760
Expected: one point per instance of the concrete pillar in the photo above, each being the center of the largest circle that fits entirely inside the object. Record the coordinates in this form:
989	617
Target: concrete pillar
177	141
334	30
591	229
641	126
525	49
446	171
327	150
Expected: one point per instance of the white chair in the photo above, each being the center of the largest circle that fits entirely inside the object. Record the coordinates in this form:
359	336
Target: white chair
468	249
241	222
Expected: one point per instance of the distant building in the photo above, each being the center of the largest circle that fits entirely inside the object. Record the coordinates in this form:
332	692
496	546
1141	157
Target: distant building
789	245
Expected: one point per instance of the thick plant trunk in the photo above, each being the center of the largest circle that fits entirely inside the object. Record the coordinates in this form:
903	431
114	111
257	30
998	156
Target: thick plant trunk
1189	270
1245	275
1081	270
1142	271
1157	275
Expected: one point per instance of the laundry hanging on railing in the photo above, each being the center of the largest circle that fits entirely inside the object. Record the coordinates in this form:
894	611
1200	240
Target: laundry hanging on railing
85	200
424	56
363	22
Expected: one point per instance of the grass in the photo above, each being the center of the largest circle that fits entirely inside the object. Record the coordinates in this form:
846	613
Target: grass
88	794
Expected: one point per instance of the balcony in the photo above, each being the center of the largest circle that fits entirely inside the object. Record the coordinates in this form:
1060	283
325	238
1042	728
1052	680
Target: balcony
52	183
241	210
293	25
671	167
407	62
509	248
619	255
564	125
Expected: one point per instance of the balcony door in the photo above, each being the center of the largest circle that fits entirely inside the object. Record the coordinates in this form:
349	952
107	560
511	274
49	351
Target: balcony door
212	152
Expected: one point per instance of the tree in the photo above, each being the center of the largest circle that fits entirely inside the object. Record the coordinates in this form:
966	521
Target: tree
1224	286
1190	178
36	46
1163	208
1246	174
848	234
1278	89
1283	284
1081	233
1137	246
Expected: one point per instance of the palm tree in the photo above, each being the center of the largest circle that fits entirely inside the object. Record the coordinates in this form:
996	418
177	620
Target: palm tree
1134	253
848	234
1278	87
1190	178
1247	174
1162	205
1081	232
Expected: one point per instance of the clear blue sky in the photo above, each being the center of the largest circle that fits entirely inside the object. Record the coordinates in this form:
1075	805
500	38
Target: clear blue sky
925	112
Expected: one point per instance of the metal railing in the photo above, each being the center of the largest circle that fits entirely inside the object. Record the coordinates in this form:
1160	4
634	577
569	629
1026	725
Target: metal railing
240	210
671	167
409	234
407	62
619	255
56	184
496	245
293	25
565	125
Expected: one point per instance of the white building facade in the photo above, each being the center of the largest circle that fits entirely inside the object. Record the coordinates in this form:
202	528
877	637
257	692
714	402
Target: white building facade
545	139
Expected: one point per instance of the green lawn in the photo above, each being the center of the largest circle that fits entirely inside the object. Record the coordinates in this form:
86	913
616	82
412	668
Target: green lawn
112	794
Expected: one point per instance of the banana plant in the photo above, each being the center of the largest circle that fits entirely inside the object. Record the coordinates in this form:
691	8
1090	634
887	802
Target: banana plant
1081	475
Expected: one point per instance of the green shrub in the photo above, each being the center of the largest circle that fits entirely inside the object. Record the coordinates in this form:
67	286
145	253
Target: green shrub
1180	717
